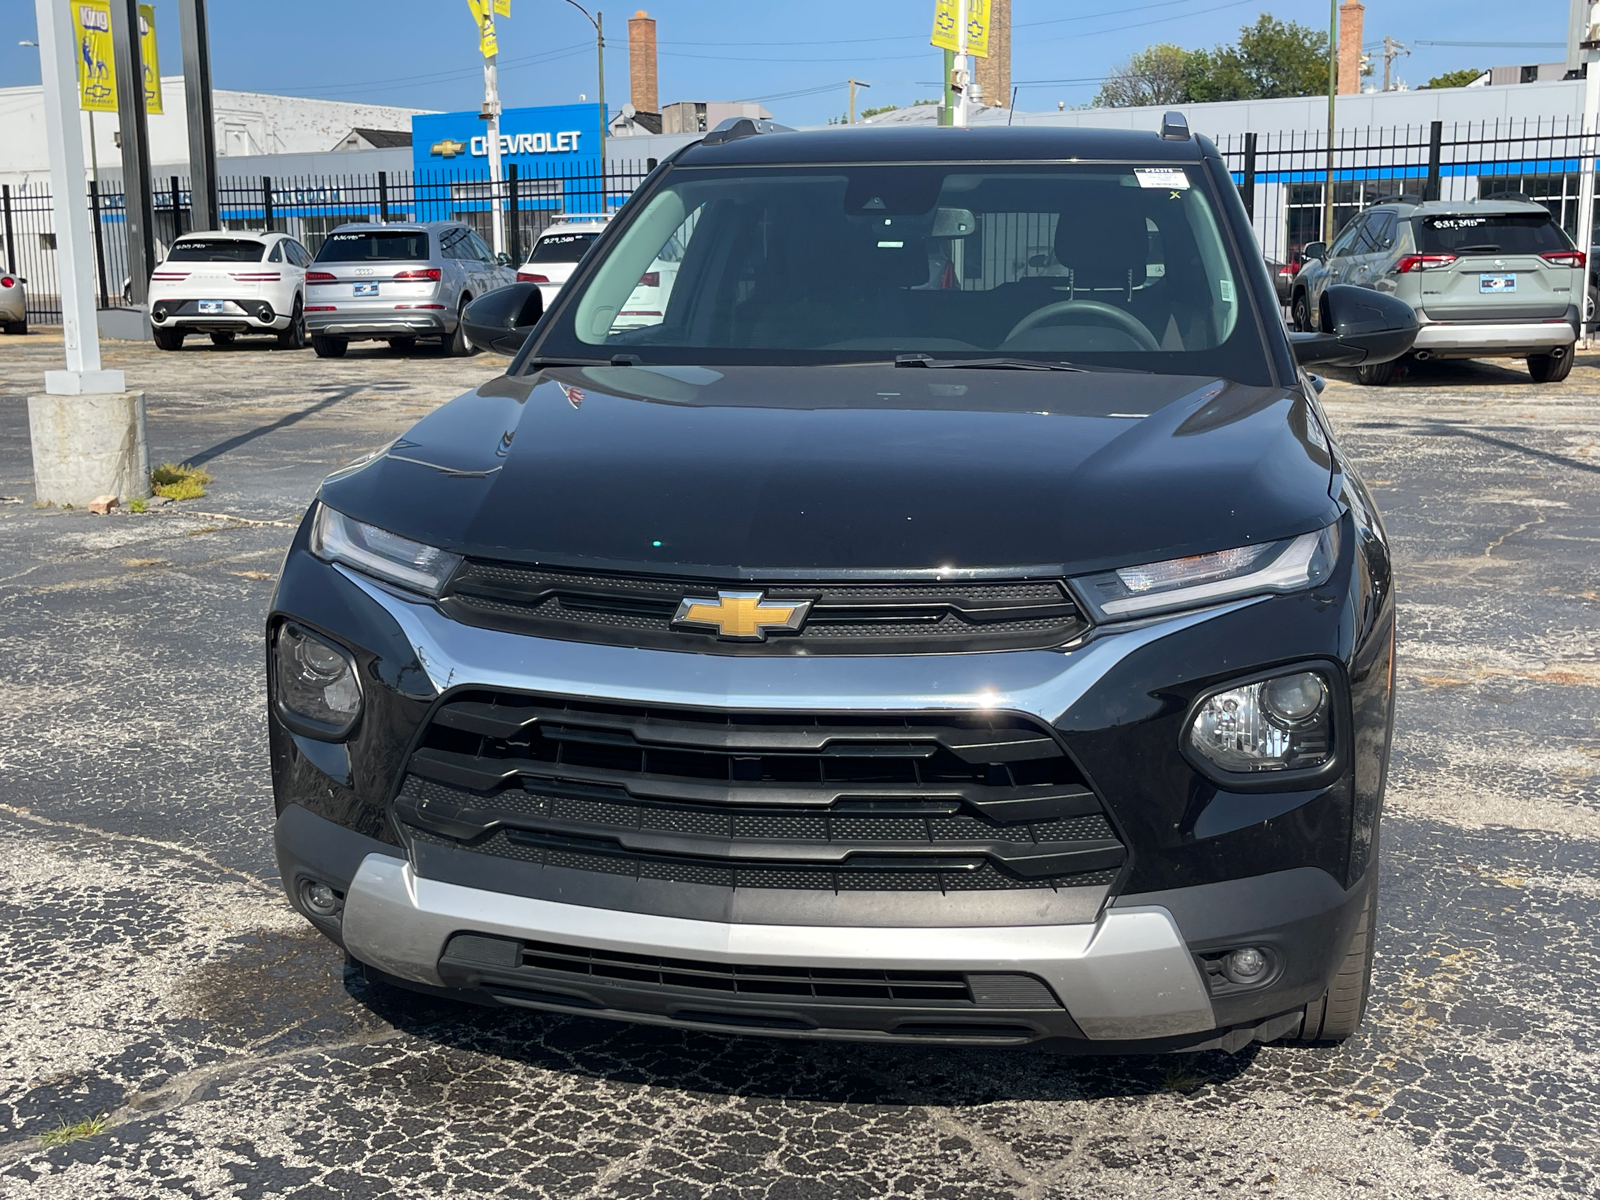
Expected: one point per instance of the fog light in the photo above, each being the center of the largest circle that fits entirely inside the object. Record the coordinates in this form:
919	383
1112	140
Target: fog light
1274	725
320	899
1246	965
316	683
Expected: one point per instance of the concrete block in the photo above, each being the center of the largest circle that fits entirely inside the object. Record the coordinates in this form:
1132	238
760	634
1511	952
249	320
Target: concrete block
89	446
124	324
101	506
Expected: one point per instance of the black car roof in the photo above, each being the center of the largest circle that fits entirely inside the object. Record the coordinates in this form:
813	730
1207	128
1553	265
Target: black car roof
984	143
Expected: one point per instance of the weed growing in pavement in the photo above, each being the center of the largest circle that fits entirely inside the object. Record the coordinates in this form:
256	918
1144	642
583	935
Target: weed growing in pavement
137	505
74	1132
1179	1079
179	483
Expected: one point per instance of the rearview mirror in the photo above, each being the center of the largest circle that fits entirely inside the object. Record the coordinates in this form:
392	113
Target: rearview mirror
1364	326
1314	250
502	319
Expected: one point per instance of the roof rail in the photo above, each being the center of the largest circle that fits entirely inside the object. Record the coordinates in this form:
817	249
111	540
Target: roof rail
735	128
1174	127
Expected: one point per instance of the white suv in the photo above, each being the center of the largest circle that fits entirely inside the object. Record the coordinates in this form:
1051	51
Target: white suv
557	251
225	283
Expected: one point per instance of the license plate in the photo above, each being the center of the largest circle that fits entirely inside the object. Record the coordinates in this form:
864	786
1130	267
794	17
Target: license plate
1497	283
366	289
211	306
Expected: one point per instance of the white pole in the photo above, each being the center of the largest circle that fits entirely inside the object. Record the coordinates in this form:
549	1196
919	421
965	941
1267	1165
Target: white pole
963	71
491	105
1586	168
74	238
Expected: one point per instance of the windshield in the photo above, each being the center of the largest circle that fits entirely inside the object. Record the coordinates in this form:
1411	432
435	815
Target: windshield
388	245
216	250
1490	233
1098	264
561	247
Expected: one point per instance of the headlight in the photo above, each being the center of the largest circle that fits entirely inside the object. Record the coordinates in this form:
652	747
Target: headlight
1284	566
316	683
1279	724
336	538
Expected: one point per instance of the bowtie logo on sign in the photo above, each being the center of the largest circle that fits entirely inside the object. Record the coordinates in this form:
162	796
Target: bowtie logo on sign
447	147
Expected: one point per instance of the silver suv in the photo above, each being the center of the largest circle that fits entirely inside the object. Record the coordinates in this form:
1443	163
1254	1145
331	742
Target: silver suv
398	283
1488	279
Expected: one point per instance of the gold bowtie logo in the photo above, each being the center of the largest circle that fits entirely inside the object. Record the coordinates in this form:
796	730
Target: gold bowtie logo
447	148
742	616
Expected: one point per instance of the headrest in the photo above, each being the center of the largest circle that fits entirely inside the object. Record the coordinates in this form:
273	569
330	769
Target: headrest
1102	246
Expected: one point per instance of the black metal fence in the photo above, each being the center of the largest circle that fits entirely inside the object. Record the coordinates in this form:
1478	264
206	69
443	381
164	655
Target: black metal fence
1282	177
305	207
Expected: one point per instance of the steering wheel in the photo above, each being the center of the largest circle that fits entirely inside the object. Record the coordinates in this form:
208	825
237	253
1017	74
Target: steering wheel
1129	324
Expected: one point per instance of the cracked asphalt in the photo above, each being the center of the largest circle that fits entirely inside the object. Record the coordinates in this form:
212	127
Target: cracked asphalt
152	974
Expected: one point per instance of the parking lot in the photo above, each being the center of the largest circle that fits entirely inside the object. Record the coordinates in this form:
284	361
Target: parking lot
156	977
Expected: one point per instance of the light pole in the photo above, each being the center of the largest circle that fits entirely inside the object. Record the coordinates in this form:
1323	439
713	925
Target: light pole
1333	90
600	65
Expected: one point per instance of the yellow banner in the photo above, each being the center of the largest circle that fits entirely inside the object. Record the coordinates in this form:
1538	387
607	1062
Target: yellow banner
97	76
483	14
502	8
947	19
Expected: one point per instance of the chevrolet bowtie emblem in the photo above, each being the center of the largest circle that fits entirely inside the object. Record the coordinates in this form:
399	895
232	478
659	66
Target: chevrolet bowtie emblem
447	148
741	616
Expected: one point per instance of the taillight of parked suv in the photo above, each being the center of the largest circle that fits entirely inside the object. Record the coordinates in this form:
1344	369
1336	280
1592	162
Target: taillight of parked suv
420	275
1423	262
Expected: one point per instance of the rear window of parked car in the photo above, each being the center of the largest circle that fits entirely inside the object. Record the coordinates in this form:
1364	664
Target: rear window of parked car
561	247
388	245
216	250
1490	233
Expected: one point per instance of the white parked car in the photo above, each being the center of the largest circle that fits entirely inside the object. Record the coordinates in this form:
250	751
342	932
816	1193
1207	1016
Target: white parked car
556	251
13	303
227	282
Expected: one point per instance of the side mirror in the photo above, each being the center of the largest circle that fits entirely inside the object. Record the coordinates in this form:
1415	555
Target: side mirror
503	259
1367	327
1317	250
502	319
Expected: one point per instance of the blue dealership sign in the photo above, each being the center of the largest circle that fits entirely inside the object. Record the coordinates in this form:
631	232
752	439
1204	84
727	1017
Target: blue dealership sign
560	139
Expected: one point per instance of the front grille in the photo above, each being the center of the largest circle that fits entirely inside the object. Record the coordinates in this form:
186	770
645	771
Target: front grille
925	803
866	618
826	985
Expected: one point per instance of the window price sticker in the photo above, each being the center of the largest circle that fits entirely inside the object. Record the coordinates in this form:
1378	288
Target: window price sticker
1161	177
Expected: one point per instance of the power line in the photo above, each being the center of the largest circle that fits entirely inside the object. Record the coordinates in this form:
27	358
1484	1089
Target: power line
1496	45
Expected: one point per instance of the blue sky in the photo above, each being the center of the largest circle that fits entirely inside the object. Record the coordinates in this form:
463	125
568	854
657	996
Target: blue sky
422	53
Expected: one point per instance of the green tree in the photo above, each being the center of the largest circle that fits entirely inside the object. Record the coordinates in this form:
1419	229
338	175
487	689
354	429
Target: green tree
1454	78
1271	58
1155	75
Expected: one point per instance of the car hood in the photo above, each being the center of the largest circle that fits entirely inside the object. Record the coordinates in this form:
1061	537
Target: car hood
745	472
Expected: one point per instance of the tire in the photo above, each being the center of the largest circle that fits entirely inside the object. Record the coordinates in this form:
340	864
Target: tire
327	347
224	338
168	339
1300	312
403	345
1376	374
1547	368
18	328
294	337
456	344
1337	1015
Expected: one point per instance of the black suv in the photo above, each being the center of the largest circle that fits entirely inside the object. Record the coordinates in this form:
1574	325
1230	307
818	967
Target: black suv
943	616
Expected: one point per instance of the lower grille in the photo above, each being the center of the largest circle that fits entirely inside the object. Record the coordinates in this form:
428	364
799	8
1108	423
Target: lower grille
951	803
811	984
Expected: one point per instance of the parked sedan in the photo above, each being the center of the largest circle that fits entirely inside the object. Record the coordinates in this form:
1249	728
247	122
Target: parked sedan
398	283
13	304
224	283
1488	279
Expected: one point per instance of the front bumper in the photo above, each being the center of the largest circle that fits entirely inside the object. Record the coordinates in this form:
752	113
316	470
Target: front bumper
1467	339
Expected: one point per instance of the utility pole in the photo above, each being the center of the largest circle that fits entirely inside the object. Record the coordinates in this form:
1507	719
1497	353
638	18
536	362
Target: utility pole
854	84
86	432
1333	92
197	106
1391	51
598	21
962	77
947	111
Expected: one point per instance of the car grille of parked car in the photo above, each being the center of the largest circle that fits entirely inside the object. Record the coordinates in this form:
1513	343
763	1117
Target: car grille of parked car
553	963
864	618
936	803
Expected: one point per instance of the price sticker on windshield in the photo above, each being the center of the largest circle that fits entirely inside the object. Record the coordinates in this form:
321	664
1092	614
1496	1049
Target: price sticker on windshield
1161	177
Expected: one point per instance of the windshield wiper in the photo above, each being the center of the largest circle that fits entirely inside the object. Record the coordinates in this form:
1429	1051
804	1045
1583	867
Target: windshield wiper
993	364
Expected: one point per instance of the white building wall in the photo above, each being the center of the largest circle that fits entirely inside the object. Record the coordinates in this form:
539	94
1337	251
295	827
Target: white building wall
247	123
